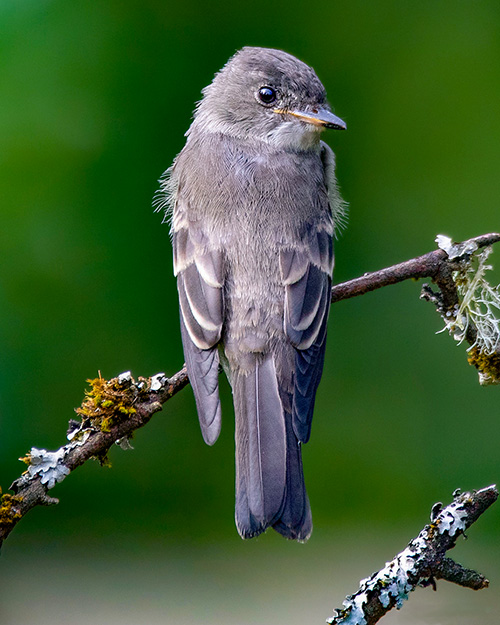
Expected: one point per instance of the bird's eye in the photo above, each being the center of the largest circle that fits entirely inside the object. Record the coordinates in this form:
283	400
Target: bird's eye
267	95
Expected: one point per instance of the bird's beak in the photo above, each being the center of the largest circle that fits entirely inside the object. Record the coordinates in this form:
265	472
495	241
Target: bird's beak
317	117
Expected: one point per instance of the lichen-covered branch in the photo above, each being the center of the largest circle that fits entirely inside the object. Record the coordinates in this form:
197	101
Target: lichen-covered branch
469	306
422	562
111	412
114	409
433	265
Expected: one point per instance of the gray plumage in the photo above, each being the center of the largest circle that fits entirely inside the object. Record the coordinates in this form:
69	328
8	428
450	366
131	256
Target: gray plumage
254	203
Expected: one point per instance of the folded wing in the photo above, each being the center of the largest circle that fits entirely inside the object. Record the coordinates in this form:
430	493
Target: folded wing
199	271
306	272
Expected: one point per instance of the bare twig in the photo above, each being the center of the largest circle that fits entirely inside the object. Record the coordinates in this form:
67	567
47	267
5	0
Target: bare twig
421	563
114	409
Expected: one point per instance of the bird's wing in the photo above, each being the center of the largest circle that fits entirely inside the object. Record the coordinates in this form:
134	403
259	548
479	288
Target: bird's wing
199	268
306	272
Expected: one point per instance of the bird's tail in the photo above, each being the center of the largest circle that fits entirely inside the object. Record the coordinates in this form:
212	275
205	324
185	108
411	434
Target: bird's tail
270	490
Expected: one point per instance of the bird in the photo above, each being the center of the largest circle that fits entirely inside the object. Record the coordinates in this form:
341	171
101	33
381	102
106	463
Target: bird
253	204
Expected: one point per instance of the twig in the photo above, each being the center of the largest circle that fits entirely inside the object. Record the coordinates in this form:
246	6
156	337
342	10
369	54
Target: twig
421	563
114	409
433	265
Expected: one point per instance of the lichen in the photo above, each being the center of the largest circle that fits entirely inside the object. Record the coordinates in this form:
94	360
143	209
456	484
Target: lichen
451	519
392	584
478	309
124	443
455	250
157	381
49	465
8	513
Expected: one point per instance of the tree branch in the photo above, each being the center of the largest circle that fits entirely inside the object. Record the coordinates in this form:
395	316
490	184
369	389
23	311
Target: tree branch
421	563
114	409
435	265
442	268
111	412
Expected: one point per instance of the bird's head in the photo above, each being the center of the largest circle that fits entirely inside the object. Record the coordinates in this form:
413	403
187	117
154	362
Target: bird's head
266	95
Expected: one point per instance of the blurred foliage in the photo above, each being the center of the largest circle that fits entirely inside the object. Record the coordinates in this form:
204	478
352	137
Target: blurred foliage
95	99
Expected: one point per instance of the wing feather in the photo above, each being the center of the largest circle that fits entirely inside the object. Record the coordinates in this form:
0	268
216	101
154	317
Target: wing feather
199	268
306	275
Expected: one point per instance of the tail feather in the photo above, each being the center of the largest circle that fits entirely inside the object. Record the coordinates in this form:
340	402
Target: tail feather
295	519
270	487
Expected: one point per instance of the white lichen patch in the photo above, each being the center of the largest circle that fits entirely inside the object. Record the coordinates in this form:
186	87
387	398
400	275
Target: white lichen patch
455	250
78	436
451	520
124	443
49	465
157	381
356	614
392	584
125	378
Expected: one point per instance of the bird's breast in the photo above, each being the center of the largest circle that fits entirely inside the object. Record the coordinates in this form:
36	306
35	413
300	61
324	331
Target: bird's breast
251	204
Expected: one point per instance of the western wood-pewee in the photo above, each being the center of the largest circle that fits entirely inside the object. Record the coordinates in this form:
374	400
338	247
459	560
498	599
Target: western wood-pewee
253	204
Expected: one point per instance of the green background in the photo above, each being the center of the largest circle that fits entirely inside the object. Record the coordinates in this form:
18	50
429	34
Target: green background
94	100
